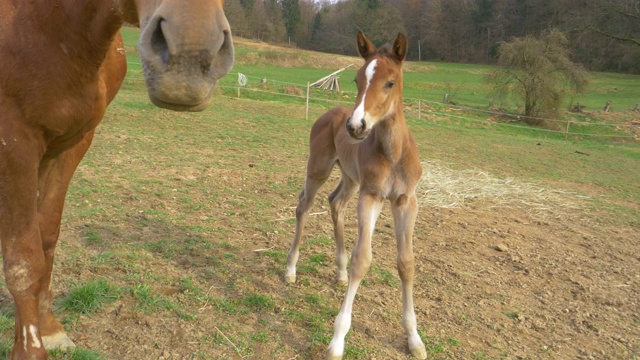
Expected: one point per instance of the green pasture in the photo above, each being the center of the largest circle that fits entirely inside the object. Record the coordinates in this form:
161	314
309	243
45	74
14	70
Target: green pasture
429	81
459	138
465	84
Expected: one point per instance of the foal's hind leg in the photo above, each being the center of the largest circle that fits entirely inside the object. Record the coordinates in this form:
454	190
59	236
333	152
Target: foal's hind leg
318	171
405	210
338	200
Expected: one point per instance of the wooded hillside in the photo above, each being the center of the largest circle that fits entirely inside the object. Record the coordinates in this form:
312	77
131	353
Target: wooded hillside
604	35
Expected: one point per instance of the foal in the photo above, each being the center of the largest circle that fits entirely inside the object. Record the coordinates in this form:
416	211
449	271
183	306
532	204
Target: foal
373	147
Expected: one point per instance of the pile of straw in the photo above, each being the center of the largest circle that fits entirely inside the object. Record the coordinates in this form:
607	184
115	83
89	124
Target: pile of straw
443	187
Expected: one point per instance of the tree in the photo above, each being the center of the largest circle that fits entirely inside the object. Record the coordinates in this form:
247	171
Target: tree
618	20
237	18
539	72
606	34
266	21
603	34
291	16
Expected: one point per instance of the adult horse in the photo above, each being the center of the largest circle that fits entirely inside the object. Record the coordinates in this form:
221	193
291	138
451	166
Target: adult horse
61	64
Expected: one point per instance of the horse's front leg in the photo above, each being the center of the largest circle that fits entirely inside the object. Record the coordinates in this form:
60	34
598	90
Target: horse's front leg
338	200
55	176
369	207
405	210
23	259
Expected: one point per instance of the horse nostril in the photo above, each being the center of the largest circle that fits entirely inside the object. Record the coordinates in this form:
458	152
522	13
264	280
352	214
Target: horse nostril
363	124
159	42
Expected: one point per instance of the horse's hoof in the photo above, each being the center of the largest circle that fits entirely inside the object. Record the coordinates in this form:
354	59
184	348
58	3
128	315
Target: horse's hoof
335	351
329	356
57	341
419	352
342	277
290	279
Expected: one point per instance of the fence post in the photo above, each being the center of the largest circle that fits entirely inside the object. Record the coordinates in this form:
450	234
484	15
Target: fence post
566	134
238	90
306	115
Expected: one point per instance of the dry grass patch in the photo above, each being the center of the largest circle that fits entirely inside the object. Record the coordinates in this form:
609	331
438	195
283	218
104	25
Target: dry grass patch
444	187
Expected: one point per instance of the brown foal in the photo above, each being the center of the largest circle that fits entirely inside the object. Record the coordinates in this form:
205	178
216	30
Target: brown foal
374	149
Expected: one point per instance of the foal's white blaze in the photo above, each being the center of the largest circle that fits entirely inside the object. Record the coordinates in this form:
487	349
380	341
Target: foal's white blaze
359	113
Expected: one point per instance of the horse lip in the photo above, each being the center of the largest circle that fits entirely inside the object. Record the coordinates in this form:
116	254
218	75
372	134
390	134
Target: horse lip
196	107
357	135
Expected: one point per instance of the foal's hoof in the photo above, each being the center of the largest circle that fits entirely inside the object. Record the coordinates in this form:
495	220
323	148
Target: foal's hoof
290	279
342	278
418	351
330	356
57	341
335	351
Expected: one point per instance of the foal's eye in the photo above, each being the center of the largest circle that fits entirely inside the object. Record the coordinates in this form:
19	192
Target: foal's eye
389	84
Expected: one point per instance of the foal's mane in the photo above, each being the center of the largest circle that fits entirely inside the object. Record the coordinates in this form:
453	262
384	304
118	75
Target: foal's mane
386	51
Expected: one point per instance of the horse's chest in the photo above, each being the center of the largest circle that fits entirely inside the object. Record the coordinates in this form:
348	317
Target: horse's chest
67	117
397	184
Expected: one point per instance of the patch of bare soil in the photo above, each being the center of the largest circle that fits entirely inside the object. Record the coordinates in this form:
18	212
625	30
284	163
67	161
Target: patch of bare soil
494	279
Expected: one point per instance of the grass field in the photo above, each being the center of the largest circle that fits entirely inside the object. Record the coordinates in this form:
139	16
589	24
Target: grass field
177	226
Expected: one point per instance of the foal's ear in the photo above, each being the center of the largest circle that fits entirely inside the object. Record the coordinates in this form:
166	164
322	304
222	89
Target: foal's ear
400	47
365	47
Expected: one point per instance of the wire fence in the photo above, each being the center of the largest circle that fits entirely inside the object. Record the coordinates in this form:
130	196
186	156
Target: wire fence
260	88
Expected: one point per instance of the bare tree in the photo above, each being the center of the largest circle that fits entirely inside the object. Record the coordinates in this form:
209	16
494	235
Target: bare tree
618	20
538	72
237	18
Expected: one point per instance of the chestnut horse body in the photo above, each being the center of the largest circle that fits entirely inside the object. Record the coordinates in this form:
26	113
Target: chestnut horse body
376	153
61	64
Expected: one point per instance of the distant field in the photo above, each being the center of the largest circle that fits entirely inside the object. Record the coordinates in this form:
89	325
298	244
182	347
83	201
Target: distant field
427	81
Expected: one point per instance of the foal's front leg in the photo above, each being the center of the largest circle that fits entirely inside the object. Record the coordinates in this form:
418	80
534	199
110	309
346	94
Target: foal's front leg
369	207
405	210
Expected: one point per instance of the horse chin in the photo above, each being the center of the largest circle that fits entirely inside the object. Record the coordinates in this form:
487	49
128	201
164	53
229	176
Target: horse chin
178	92
180	107
358	136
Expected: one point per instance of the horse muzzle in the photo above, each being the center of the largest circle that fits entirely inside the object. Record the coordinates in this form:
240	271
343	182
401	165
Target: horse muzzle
357	129
182	66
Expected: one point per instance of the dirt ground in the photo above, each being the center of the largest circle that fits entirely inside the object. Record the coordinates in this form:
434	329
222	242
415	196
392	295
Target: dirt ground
490	283
497	276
